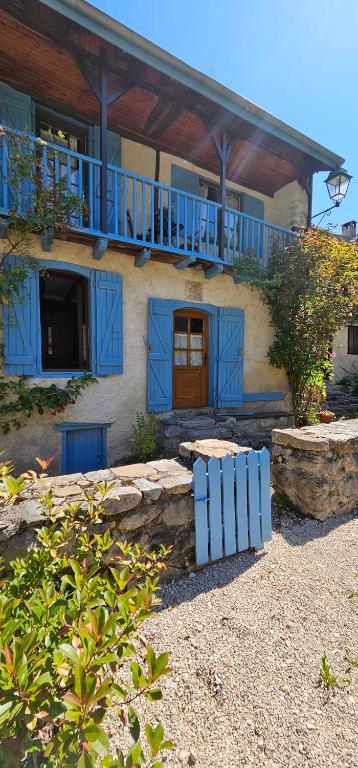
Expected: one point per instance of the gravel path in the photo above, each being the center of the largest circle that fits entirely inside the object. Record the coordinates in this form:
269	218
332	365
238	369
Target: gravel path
246	636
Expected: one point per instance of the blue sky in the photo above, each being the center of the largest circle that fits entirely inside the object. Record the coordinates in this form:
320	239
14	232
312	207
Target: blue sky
298	60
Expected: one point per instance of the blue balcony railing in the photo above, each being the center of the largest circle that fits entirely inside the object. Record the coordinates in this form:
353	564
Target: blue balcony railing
141	211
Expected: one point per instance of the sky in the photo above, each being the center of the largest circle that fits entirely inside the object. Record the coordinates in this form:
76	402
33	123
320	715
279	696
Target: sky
298	60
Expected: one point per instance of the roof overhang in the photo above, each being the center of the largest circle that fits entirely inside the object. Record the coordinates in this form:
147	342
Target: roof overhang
103	25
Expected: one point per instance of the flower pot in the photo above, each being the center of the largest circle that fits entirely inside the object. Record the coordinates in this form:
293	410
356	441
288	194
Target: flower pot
326	417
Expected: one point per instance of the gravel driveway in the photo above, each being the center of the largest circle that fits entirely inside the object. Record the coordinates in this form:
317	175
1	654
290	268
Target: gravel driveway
246	636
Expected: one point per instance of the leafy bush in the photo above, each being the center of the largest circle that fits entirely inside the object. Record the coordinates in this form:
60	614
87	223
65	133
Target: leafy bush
310	288
145	440
70	643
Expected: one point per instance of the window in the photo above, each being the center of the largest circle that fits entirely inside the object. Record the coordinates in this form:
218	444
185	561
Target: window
64	321
188	341
352	340
61	132
67	320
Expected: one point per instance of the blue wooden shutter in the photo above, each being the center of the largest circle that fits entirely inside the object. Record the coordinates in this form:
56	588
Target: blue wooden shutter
22	324
188	181
160	345
253	233
15	109
107	306
230	368
114	158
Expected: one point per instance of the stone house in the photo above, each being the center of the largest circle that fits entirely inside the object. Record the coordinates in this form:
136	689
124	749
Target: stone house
181	176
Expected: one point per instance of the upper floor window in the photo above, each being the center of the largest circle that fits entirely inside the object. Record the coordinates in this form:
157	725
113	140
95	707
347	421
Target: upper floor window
64	321
61	132
210	191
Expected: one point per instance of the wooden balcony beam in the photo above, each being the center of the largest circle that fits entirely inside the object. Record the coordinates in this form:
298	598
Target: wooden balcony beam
142	257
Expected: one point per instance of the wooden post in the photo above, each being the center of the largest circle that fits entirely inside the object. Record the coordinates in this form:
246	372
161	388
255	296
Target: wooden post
103	149
223	148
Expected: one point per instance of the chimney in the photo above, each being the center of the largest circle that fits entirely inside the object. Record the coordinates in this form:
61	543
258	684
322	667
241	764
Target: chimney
349	230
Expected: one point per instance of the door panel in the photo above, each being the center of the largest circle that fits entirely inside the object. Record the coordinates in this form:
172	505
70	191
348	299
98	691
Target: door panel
84	450
190	359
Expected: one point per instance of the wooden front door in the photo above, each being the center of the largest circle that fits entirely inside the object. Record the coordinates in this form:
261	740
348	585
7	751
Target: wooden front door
190	359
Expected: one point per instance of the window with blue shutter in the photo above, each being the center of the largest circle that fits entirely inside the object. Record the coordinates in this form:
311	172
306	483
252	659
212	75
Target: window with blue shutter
16	111
160	346
23	342
230	362
21	324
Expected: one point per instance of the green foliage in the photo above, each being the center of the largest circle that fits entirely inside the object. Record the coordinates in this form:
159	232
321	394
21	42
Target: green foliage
39	201
310	288
145	440
328	678
19	400
71	614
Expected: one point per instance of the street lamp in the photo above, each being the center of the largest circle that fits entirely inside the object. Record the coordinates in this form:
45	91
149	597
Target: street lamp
337	183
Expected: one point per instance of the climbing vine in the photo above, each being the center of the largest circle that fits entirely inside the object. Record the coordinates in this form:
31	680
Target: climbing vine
37	208
310	288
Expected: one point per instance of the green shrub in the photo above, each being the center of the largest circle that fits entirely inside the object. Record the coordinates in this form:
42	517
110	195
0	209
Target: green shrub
70	645
145	440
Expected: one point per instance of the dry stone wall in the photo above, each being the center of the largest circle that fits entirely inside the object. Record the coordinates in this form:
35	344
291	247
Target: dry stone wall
150	504
316	468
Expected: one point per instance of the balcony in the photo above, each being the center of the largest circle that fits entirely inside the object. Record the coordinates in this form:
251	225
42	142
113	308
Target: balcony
152	219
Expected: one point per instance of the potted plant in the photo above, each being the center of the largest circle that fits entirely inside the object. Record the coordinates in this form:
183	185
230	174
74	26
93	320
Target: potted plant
326	417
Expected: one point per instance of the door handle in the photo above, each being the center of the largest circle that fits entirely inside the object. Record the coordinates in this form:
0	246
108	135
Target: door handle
99	458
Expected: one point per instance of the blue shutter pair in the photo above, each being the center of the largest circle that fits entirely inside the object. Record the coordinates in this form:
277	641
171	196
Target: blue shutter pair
229	326
22	333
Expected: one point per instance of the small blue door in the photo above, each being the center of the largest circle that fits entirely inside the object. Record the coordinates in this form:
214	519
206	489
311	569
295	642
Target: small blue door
83	447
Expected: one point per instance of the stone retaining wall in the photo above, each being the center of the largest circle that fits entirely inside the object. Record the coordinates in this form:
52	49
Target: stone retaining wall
150	504
316	468
188	426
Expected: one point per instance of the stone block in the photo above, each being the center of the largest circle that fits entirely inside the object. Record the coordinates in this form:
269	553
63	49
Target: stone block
180	514
68	490
120	499
166	466
139	519
205	449
59	480
177	483
149	489
293	438
131	472
218	433
98	475
31	512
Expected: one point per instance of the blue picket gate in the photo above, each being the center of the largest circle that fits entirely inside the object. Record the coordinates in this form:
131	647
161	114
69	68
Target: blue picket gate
232	504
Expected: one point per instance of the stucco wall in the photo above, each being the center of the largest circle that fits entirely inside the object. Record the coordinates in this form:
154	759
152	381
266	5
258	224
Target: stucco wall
343	362
116	399
290	206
